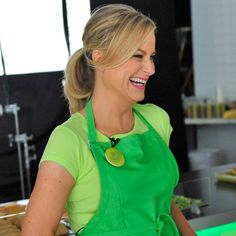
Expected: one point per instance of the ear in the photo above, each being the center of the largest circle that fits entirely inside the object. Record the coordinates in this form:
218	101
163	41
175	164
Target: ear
96	55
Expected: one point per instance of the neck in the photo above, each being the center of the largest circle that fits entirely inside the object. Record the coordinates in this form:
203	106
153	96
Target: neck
112	117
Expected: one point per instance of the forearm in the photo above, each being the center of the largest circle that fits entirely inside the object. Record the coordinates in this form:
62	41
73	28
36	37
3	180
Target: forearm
31	229
38	222
184	227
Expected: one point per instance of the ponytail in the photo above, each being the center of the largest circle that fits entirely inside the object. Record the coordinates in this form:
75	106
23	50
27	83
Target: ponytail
79	81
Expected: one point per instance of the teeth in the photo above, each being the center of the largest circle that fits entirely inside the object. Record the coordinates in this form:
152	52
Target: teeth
138	80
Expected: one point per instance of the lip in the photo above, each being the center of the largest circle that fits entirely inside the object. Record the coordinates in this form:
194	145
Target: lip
138	77
140	82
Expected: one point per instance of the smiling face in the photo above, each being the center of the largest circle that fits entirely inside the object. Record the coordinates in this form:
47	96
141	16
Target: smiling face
128	81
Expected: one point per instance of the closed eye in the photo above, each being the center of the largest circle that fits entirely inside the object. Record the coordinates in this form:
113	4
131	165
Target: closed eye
139	56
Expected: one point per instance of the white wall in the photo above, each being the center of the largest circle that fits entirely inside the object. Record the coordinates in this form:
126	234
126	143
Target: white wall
214	46
214	55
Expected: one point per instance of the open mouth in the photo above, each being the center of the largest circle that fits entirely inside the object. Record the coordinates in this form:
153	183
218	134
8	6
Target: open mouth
137	82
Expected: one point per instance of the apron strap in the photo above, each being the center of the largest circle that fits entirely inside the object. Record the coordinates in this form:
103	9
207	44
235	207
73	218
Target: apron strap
150	127
144	120
90	121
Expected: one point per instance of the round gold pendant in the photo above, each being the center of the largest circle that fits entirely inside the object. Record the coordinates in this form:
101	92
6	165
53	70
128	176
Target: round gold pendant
114	157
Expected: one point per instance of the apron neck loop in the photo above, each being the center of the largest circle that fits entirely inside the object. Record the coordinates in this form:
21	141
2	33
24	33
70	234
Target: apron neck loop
141	117
90	122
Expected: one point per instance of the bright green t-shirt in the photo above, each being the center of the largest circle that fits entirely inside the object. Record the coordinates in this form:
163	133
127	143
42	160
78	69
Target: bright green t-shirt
68	146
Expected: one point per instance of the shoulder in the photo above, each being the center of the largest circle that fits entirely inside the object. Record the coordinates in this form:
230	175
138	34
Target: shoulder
157	117
148	107
150	111
70	135
65	145
74	128
68	131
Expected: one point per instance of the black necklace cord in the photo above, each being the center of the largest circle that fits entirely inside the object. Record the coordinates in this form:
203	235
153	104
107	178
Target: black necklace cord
114	141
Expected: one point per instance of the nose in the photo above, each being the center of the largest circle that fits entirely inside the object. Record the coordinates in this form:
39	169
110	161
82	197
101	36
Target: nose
149	67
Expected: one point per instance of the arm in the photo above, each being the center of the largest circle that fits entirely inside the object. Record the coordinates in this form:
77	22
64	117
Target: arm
181	222
47	202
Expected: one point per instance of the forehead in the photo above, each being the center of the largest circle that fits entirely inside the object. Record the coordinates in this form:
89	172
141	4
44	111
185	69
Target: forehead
149	44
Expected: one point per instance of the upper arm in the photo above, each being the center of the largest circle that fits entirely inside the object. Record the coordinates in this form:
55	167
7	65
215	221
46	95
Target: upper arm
48	199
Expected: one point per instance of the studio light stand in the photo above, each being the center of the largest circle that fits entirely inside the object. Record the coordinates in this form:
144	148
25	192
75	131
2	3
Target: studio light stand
17	138
21	139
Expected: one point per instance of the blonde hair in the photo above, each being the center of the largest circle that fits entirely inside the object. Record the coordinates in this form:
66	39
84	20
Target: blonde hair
117	30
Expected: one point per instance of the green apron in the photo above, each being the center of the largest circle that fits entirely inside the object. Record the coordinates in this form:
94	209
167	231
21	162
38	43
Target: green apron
135	197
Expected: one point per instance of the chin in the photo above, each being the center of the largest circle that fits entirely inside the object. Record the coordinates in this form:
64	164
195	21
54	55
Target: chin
139	99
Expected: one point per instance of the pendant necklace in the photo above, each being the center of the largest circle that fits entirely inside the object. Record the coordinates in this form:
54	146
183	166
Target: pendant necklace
114	156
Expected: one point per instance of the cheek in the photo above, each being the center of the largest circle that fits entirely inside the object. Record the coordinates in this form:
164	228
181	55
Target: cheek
135	68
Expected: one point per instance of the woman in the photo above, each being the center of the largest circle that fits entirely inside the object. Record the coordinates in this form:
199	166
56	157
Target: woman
109	163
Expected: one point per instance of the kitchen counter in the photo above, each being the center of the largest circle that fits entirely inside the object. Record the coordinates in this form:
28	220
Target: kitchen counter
219	197
211	221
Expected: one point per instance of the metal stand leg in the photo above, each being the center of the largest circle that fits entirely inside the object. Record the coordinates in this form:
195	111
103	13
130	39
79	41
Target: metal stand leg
21	138
28	158
13	108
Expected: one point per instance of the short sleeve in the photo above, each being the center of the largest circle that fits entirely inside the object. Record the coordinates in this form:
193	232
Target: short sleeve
62	148
167	128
